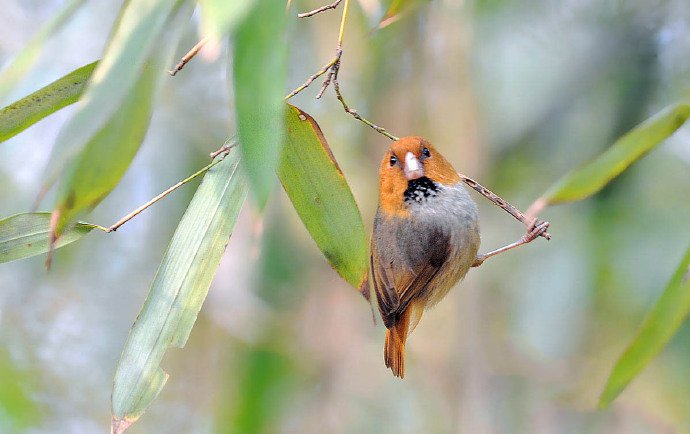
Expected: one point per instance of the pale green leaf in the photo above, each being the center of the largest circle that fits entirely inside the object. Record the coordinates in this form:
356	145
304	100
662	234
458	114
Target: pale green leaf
102	163
320	194
589	179
26	59
26	235
218	17
260	67
104	159
178	290
661	324
139	27
64	91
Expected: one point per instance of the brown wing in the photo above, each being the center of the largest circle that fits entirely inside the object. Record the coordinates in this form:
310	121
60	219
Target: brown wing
396	283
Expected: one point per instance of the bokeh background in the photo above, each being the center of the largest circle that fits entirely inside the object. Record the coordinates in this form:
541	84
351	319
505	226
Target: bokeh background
514	93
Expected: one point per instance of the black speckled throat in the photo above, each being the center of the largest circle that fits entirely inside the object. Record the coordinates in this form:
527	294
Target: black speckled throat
418	190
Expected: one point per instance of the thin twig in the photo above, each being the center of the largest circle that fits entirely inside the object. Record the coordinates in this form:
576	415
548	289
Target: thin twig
319	10
331	72
533	232
353	112
313	77
187	57
137	211
510	209
332	69
229	144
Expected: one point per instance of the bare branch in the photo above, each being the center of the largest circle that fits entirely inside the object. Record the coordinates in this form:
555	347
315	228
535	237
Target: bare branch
187	57
533	232
510	209
313	77
138	211
319	10
332	68
353	112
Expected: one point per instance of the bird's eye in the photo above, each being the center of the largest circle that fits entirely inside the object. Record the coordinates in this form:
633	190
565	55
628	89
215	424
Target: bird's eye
426	153
393	160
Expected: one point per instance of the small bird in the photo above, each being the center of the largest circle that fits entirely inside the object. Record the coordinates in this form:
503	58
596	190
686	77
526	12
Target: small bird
425	239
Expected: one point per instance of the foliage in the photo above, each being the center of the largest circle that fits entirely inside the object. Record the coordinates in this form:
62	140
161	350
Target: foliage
117	97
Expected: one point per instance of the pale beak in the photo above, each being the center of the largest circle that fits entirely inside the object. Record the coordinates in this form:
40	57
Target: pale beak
413	168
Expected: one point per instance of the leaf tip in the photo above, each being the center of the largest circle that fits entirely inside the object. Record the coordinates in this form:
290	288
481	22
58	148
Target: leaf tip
119	426
603	404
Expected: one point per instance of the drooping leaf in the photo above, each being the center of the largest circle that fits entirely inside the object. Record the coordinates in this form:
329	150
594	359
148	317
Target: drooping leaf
662	322
64	91
138	27
220	17
589	179
21	64
105	157
178	290
320	194
26	235
260	67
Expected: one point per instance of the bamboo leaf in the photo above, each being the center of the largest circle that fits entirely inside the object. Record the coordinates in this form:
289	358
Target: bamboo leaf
26	59
662	322
105	157
320	194
220	16
138	28
26	235
64	91
584	182
260	68
178	290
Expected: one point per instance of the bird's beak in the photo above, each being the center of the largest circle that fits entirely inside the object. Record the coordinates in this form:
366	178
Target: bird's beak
413	168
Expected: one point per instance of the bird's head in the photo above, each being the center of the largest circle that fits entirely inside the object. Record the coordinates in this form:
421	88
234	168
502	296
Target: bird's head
411	162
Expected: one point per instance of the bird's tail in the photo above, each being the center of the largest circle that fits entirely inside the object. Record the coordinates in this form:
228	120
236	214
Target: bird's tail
394	348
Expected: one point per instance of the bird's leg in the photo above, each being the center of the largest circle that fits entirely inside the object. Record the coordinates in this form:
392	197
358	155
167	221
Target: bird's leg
536	229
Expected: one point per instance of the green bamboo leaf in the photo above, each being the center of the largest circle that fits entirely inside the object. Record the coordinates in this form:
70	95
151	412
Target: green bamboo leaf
219	17
138	28
584	182
26	59
178	290
105	159
26	235
260	68
662	322
320	194
64	91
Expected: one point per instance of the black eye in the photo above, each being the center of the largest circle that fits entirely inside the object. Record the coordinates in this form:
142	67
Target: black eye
426	153
393	160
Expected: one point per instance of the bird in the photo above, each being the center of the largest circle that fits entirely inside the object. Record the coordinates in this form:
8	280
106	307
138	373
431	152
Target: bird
425	239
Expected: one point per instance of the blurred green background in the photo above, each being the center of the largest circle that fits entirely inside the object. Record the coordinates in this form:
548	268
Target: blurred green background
514	93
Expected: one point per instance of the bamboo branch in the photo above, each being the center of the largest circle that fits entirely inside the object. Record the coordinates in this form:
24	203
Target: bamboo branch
529	221
187	57
319	10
